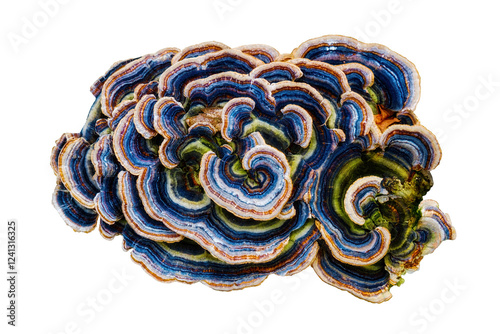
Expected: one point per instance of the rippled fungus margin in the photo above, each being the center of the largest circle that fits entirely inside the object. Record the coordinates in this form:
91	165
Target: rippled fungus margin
225	165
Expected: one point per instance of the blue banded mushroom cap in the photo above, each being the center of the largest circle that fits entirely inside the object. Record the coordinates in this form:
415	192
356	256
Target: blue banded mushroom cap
224	165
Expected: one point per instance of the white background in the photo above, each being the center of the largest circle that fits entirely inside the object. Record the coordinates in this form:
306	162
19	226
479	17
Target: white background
45	77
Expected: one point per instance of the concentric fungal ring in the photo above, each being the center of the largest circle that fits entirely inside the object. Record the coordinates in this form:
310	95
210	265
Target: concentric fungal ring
225	165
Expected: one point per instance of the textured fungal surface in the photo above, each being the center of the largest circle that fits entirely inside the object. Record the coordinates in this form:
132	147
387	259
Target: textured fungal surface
225	165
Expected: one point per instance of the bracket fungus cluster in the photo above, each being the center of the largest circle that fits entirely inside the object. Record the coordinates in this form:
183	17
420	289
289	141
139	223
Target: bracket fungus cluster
225	165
